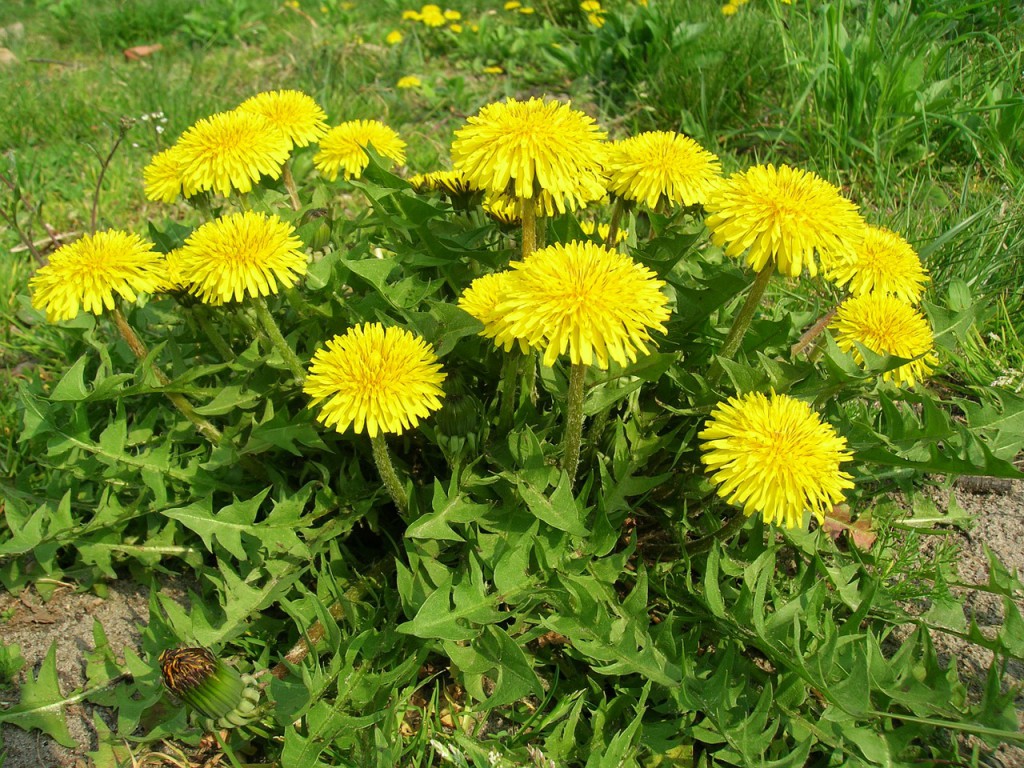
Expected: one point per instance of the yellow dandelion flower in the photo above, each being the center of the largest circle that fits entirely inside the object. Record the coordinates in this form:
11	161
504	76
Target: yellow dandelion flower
527	11
504	210
589	228
452	15
523	147
775	456
512	5
244	254
230	150
589	6
596	19
162	177
887	326
452	183
293	113
494	70
409	81
456	28
884	263
343	148
582	298
383	380
785	216
394	37
85	274
729	9
411	16
661	164
431	16
173	279
482	299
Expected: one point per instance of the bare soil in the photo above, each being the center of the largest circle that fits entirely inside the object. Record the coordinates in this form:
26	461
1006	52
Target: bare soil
67	618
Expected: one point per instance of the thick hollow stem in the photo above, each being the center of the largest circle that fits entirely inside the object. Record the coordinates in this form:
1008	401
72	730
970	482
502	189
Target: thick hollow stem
277	339
138	349
529	219
507	393
289	184
613	227
392	484
573	421
812	333
742	321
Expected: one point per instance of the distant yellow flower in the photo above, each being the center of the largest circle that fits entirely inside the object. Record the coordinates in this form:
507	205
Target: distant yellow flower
85	274
784	216
775	456
394	37
452	15
343	148
884	263
173	280
431	16
230	151
377	379
456	28
582	299
243	254
661	164
292	112
162	176
409	81
589	6
524	147
526	11
504	210
887	326
494	70
411	16
596	19
729	9
482	299
512	5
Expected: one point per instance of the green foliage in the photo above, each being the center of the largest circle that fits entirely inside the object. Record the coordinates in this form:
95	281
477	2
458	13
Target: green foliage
629	618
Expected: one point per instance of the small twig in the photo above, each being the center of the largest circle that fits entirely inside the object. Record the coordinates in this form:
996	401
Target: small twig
123	127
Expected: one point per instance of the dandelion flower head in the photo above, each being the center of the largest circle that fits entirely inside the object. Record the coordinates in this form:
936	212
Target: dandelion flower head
408	81
583	299
243	254
86	274
887	326
343	149
230	151
883	263
523	147
785	216
377	379
162	177
774	455
481	300
661	164
293	113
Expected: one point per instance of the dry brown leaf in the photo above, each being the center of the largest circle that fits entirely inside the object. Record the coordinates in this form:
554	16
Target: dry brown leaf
859	531
141	51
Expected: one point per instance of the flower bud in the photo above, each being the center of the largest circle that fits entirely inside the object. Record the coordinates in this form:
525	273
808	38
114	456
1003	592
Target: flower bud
223	697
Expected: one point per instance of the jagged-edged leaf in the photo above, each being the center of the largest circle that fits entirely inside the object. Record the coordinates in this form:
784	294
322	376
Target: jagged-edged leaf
41	705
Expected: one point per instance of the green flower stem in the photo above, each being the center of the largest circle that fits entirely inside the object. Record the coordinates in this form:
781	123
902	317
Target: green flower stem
742	321
138	348
507	396
573	421
541	232
201	313
597	425
703	544
620	208
529	219
394	486
277	339
812	333
289	184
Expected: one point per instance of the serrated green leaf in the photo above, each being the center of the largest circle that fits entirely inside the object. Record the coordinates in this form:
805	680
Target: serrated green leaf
226	526
41	705
559	510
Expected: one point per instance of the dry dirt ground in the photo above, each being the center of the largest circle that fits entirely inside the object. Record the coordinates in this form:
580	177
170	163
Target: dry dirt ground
68	619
